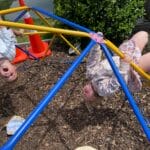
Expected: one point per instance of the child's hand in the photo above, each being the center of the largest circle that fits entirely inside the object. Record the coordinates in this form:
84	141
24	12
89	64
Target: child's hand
19	32
126	58
8	71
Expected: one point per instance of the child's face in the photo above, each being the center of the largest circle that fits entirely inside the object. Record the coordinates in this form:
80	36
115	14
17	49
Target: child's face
89	93
8	71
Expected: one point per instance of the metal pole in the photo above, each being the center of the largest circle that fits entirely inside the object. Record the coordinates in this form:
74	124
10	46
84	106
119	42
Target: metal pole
9	145
65	21
128	94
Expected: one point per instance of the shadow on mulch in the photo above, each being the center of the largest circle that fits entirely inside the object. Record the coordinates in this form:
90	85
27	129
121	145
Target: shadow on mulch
79	118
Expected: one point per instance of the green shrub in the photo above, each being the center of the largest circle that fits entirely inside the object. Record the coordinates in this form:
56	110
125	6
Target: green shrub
147	9
5	4
115	18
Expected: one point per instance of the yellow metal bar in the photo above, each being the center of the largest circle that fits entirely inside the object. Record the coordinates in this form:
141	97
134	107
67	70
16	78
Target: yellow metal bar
74	48
12	10
114	48
47	23
119	53
140	71
42	18
31	33
41	28
50	44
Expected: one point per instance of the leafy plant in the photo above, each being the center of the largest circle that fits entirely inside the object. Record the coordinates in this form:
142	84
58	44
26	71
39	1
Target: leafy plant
147	8
115	18
5	4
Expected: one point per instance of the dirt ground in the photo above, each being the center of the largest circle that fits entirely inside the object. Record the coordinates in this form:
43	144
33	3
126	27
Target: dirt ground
66	122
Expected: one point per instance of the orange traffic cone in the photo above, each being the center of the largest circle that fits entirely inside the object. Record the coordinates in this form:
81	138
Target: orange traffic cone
38	48
20	56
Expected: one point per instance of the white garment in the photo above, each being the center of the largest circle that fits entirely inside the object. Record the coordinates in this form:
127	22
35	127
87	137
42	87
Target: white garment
7	43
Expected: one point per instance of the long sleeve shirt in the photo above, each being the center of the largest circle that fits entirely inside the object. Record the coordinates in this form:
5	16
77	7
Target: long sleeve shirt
7	43
100	74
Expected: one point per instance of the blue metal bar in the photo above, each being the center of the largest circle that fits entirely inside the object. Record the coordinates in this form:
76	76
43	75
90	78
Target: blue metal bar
27	52
65	21
110	51
20	15
9	145
128	94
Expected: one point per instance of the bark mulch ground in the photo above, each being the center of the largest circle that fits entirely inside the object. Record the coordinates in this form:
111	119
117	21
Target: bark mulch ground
66	122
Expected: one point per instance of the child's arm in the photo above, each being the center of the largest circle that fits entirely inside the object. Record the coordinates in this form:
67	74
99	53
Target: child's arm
107	86
94	55
18	32
94	59
106	83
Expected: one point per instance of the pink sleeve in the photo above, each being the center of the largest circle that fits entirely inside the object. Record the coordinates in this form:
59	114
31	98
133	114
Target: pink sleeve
93	61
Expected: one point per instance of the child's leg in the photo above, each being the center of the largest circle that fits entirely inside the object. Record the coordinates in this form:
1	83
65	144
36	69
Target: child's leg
144	62
140	39
93	61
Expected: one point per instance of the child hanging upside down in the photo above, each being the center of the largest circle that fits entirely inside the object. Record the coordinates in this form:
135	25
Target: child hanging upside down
8	52
102	81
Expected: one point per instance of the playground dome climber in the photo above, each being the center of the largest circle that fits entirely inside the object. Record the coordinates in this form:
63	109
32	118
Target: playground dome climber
83	32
